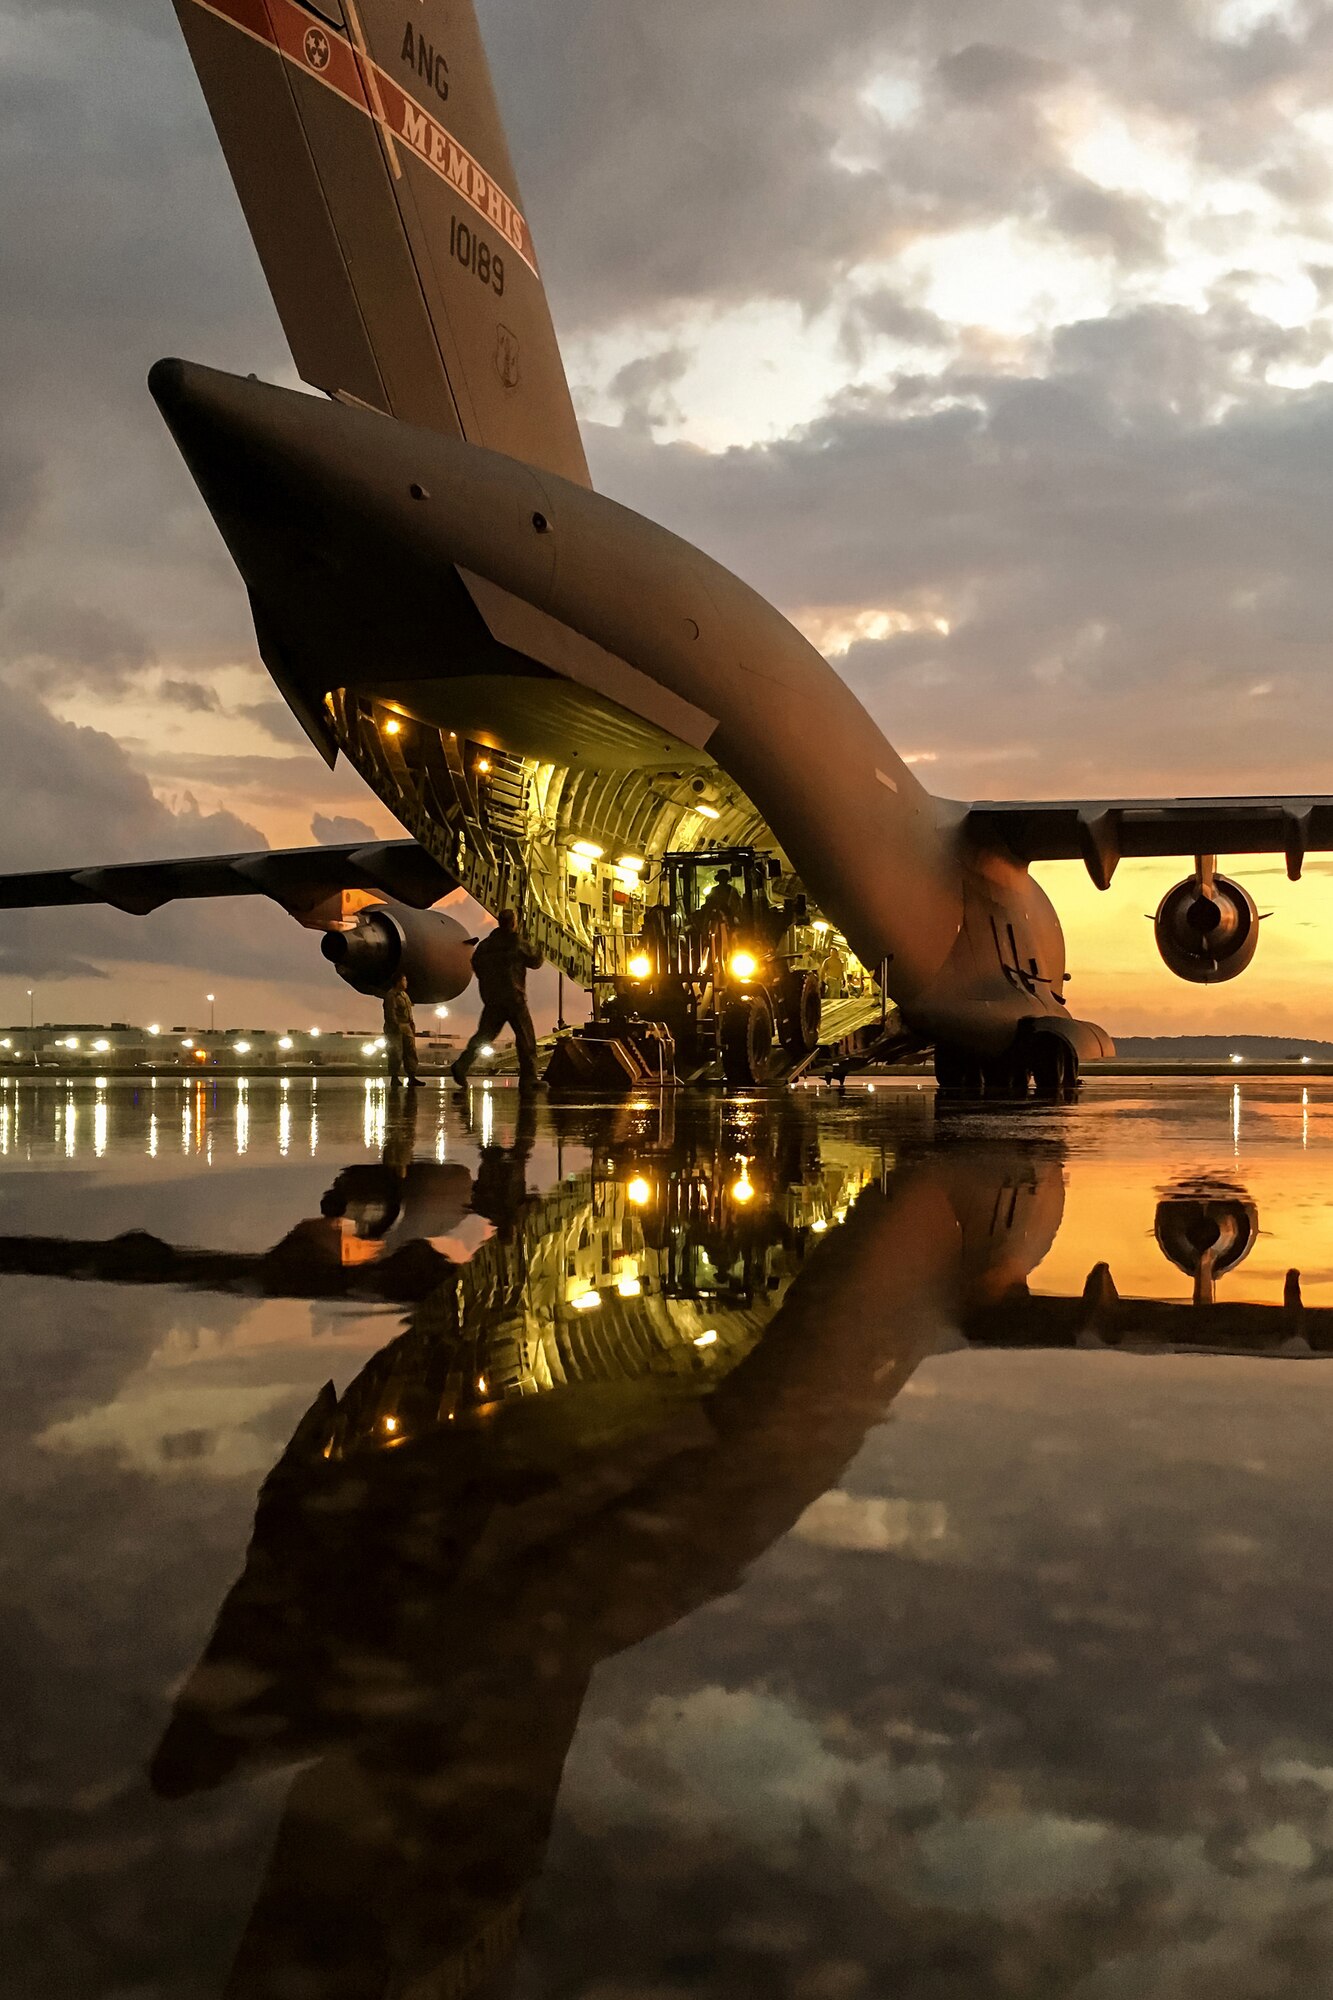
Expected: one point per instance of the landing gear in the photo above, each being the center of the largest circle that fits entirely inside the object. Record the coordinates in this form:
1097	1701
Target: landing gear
1044	1067
747	1040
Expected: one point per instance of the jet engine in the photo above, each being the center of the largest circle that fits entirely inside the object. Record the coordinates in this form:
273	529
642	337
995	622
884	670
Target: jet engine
390	938
1207	928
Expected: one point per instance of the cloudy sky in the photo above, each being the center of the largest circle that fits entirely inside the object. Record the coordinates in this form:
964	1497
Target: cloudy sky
995	343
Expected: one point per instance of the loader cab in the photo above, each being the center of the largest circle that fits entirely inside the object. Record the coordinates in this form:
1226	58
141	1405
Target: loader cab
724	963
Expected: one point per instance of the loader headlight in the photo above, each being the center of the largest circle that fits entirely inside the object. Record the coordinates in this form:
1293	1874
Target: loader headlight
744	965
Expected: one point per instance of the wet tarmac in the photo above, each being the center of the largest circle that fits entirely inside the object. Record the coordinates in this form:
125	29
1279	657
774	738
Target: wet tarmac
804	1549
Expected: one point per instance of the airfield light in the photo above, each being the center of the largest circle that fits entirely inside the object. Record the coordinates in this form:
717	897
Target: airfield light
488	1050
369	1049
6	1044
241	1048
1307	1060
71	1042
708	812
442	1013
587	850
1238	1059
708	1339
639	1192
188	1043
201	1055
587	1302
101	1045
315	1034
641	967
156	1028
744	965
286	1043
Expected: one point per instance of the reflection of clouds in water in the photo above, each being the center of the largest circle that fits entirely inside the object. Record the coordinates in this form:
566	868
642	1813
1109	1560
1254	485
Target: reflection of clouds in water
735	1762
751	1782
170	1429
840	1520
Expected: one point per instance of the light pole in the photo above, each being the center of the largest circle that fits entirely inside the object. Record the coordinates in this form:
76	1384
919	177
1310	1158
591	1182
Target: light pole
210	999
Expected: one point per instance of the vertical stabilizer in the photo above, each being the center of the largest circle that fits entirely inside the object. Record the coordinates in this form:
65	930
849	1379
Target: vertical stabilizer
366	146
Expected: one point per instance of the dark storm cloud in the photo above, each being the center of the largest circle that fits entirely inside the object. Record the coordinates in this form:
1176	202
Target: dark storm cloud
654	176
1137	587
339	829
72	795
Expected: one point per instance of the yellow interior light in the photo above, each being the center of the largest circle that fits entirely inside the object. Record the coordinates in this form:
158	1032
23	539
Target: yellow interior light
587	1302
743	1192
587	850
708	1339
483	766
744	965
630	1287
641	967
639	1192
708	812
631	864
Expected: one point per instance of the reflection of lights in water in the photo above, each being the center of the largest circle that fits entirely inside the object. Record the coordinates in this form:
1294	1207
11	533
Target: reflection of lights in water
380	1103
152	1136
187	1127
71	1128
242	1118
487	1119
1305	1118
284	1128
639	1192
100	1124
1235	1117
708	1339
4	1128
314	1131
441	1143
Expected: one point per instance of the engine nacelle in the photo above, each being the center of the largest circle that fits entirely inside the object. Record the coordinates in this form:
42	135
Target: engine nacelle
391	938
1207	929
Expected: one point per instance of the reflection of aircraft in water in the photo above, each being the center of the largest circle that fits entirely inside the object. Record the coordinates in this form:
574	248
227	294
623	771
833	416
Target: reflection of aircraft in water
1206	1228
526	1483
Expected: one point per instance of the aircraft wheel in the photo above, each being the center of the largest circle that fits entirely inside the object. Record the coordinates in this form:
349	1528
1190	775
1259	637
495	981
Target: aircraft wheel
1054	1068
747	1039
957	1071
802	1012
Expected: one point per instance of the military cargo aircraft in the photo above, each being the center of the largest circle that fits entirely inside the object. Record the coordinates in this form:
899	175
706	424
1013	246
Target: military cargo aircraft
566	707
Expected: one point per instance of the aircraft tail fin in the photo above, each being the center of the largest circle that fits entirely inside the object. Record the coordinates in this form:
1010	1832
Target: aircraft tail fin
366	146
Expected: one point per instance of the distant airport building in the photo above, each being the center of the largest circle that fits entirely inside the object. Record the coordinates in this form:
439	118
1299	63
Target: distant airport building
76	1048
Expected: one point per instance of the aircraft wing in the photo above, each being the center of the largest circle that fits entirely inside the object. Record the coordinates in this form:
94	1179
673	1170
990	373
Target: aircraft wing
299	878
1103	832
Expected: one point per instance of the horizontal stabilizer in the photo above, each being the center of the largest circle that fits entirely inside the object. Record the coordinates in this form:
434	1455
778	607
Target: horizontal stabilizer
298	878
